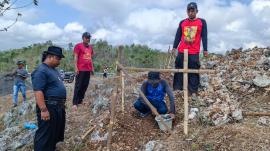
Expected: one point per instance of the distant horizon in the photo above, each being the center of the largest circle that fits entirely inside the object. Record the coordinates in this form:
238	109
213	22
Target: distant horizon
65	46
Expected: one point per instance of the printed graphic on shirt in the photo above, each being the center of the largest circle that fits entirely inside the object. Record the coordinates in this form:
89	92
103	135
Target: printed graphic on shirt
189	33
87	56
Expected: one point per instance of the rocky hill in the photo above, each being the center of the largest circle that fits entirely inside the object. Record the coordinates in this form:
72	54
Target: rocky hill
240	86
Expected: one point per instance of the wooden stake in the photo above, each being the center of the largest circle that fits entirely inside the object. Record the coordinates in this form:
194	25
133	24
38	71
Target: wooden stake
114	97
167	70
185	88
123	91
154	110
88	132
256	113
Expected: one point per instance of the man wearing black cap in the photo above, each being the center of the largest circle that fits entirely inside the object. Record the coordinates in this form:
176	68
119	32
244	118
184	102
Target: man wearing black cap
83	53
20	75
50	94
155	90
188	36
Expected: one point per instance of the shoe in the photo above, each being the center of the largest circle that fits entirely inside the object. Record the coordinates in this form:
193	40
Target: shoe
74	108
142	115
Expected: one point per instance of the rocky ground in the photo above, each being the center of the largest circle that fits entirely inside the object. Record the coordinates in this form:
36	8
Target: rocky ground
240	85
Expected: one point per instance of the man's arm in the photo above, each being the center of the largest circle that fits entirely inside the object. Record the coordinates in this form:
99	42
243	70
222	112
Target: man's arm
13	73
178	36
143	89
76	55
75	63
45	115
204	37
39	81
171	97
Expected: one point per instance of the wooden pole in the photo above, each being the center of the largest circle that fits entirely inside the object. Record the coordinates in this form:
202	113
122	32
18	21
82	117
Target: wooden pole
256	113
167	70
185	88
123	91
114	97
89	131
154	110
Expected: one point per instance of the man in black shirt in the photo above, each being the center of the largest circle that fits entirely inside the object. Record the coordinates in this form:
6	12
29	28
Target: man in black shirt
50	94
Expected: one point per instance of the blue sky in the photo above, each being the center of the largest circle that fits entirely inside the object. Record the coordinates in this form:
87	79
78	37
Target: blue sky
231	24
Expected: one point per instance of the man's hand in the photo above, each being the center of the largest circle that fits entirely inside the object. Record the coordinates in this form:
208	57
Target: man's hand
205	53
173	51
172	115
45	115
76	71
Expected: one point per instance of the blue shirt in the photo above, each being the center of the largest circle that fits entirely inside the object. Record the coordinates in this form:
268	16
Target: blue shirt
48	80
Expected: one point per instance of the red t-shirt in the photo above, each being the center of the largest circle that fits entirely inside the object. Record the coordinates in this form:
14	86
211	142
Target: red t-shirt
191	36
84	53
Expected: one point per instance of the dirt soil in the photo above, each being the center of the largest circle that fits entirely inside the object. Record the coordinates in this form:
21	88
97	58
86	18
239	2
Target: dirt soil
133	133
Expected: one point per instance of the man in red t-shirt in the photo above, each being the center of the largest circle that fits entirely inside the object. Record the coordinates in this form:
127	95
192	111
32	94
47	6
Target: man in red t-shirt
190	33
83	67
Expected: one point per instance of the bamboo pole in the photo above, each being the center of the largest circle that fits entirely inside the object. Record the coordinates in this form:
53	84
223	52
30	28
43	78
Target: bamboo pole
185	88
256	113
87	132
154	110
168	70
123	91
114	97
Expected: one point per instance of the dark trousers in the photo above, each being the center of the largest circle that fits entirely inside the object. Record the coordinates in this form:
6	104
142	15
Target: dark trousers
193	78
81	85
52	131
143	108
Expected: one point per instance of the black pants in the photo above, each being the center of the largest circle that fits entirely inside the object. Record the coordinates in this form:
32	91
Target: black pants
81	85
193	78
52	131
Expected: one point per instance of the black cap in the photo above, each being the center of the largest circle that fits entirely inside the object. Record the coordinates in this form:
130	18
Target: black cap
153	75
86	35
20	62
54	50
192	5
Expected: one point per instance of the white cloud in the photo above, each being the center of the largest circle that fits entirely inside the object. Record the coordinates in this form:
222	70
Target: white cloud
23	34
231	24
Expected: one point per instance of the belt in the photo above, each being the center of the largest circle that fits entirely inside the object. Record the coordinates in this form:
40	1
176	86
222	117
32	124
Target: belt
55	101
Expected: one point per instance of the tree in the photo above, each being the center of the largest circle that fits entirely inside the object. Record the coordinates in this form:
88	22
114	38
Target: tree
6	5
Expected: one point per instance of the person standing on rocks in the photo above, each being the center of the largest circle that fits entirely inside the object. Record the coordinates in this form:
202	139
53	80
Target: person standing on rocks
20	75
190	33
50	94
83	53
155	90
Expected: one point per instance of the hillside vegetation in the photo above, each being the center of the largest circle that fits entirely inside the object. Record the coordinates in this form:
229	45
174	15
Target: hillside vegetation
133	55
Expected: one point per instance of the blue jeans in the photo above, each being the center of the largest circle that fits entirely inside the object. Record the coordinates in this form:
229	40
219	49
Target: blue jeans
20	86
143	108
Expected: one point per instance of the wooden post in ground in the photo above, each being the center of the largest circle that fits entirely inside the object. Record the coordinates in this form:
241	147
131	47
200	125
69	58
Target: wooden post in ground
185	88
114	97
185	72
123	91
256	113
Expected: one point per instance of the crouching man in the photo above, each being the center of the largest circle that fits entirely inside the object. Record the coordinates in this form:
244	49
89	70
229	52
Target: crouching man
155	90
